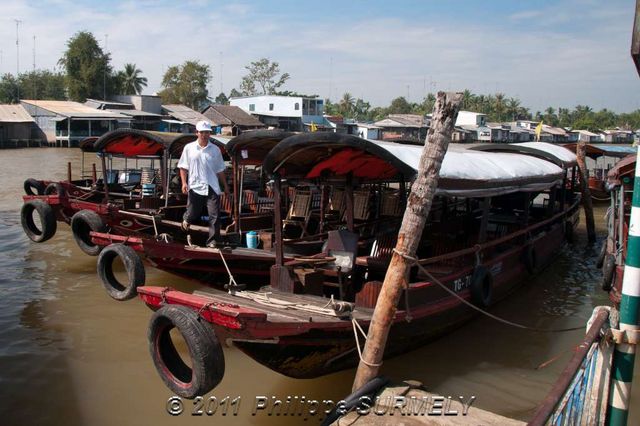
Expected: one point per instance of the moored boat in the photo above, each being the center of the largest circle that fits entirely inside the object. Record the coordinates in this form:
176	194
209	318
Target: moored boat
496	218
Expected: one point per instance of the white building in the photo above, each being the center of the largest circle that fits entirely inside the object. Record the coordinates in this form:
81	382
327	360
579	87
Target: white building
469	118
284	112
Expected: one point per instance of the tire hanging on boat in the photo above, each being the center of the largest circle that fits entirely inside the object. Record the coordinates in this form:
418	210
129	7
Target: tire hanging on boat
568	231
82	223
31	184
608	271
133	266
530	259
47	217
481	286
206	356
601	254
55	189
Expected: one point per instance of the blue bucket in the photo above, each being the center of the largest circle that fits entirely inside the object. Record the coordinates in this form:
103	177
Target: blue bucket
252	239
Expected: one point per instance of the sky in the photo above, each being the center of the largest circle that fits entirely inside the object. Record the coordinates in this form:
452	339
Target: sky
546	53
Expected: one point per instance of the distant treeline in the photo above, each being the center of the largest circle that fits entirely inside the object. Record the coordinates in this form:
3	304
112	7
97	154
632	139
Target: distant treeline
498	107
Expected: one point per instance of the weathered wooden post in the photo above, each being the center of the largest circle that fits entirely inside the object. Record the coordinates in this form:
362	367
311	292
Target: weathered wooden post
625	351
418	205
587	204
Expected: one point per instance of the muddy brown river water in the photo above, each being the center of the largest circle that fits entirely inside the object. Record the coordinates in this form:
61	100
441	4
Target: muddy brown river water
70	355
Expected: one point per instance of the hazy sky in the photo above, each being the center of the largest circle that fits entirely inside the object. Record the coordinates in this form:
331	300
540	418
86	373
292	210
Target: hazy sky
548	53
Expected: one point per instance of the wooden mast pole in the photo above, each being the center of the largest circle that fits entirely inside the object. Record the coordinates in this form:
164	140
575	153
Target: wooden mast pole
587	204
418	205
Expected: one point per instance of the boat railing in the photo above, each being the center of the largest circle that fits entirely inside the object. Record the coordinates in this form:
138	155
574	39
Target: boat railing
580	394
499	241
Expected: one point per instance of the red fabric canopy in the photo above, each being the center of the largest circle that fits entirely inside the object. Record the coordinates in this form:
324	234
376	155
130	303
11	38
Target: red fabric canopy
131	146
359	163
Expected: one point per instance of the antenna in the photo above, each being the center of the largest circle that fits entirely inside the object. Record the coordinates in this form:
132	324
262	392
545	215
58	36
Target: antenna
35	90
18	22
221	86
330	76
104	71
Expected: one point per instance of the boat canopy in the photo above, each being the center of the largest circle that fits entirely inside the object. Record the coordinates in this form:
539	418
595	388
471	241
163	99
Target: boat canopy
465	173
136	143
604	150
624	167
251	147
88	144
548	151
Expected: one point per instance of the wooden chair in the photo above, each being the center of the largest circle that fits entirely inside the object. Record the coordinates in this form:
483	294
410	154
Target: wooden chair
391	204
361	206
343	246
299	211
249	200
380	256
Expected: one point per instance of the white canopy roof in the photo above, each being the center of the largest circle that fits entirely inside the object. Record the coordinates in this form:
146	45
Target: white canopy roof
478	174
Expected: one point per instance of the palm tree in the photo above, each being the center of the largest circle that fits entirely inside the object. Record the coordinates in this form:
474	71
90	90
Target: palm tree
347	104
513	105
499	106
132	82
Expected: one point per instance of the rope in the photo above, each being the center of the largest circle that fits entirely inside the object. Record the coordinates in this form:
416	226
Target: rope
356	328
232	282
414	261
155	228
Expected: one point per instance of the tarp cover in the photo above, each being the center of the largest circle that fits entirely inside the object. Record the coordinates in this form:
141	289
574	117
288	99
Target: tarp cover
556	153
464	173
134	143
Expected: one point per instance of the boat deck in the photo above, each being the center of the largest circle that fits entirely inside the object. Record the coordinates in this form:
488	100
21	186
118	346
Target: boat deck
285	307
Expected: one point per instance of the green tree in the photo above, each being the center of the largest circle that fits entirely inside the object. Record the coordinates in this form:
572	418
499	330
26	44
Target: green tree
550	118
88	72
361	109
234	93
346	104
399	106
221	99
42	84
263	79
9	89
512	109
330	108
132	81
186	84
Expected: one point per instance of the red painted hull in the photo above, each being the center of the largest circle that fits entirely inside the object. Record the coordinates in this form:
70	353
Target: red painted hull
313	345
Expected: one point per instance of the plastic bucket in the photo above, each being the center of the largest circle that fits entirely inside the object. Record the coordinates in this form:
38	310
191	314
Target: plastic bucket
148	189
252	239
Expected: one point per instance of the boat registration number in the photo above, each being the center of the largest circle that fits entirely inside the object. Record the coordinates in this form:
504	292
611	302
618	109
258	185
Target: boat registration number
460	284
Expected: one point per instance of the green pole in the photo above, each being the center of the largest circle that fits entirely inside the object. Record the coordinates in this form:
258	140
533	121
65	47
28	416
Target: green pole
624	353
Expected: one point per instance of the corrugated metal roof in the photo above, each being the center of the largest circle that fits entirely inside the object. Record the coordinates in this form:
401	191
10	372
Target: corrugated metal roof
73	109
184	113
14	114
233	115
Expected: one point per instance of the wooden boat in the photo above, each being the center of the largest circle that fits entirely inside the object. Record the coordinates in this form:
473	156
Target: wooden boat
602	155
497	217
611	257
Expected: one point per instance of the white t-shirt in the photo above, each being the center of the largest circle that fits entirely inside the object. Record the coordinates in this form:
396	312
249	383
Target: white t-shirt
203	165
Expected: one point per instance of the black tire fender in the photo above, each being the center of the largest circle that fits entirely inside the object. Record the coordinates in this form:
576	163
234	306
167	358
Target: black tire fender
55	188
569	232
601	254
608	271
207	359
353	400
133	266
481	286
82	223
530	259
47	218
31	184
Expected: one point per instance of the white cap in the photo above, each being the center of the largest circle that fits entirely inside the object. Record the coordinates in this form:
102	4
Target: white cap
203	126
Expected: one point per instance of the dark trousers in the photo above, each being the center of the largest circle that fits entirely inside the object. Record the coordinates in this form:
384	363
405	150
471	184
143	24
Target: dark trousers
196	203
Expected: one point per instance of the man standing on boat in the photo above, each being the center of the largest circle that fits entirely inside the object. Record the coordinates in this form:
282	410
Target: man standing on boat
202	162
